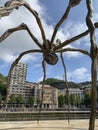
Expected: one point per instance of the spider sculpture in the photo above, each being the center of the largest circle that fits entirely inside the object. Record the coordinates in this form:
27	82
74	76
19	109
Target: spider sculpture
49	49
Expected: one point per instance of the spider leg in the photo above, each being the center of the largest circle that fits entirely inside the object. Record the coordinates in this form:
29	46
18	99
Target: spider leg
65	15
65	74
74	38
12	4
43	83
16	61
74	50
93	52
5	11
39	24
66	85
20	27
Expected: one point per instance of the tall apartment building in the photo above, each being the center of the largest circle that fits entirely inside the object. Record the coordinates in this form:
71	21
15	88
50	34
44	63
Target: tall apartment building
18	84
18	75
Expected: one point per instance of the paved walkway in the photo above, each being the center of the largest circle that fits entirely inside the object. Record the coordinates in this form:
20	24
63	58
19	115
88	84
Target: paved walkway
47	125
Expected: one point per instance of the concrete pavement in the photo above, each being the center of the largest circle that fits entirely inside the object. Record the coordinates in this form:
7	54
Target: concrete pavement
47	125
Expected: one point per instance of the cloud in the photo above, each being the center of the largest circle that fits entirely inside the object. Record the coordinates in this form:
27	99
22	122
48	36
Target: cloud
79	75
19	41
72	54
29	57
9	58
39	65
95	17
40	79
69	30
73	28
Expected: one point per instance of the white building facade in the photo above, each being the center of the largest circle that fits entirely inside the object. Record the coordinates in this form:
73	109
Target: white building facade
50	96
18	84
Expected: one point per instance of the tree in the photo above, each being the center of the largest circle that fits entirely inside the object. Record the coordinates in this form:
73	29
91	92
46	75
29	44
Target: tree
87	100
19	99
0	98
12	99
78	101
61	101
72	99
66	99
31	100
3	85
39	102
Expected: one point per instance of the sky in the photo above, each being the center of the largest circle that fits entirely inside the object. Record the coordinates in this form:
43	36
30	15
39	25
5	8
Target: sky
50	11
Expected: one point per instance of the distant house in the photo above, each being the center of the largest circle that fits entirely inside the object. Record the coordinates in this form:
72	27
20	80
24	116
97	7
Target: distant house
78	92
50	96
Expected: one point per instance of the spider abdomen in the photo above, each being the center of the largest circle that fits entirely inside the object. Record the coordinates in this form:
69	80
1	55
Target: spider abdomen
51	58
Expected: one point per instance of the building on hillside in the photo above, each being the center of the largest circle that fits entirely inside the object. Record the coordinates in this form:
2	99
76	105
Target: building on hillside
62	92
87	90
78	92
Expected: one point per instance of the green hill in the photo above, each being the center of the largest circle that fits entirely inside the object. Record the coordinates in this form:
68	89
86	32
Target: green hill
60	84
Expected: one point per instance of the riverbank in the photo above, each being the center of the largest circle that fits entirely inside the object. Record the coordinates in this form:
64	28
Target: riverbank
47	125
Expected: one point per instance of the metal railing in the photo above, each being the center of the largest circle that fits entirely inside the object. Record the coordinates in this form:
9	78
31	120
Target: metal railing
45	115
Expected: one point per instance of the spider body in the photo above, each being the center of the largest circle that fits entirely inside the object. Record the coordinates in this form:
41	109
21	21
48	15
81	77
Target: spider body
51	58
49	54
